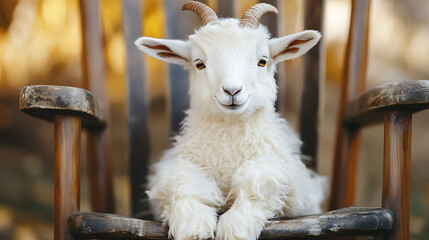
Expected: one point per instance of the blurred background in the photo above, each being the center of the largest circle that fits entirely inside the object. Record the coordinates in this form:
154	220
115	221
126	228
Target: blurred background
40	43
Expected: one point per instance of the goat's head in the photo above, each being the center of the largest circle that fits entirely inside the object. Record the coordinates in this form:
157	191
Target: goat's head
231	62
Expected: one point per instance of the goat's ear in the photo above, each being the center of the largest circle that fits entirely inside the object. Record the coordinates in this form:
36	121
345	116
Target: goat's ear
292	46
172	51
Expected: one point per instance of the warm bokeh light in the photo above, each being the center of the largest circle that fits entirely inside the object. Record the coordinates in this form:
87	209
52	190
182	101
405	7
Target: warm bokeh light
154	26
43	36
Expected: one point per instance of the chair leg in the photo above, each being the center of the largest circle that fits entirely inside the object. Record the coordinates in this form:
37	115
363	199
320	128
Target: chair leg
67	183
396	171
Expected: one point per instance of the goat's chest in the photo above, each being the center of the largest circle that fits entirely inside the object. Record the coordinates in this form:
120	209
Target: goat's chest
221	150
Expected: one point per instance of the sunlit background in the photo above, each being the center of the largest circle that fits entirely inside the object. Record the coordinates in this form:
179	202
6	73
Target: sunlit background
40	43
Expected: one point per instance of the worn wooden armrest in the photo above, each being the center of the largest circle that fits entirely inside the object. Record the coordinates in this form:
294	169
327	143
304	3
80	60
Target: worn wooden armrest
46	101
369	106
347	221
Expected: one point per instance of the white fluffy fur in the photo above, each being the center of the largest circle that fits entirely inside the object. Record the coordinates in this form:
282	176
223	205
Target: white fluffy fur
244	161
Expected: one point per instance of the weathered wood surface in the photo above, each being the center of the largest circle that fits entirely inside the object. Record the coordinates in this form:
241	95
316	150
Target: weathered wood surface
360	221
66	173
110	226
347	138
369	107
313	77
396	171
46	101
345	221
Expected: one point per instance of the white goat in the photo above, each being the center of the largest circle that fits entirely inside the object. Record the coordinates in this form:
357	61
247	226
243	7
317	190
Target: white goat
235	154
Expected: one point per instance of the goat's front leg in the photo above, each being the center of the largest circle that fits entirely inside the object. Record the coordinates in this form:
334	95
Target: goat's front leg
259	190
188	200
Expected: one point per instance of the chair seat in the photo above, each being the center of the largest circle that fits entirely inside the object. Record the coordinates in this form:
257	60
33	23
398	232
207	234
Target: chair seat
342	222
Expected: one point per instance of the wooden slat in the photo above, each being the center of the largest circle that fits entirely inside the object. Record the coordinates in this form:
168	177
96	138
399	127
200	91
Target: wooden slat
271	20
46	101
348	221
179	25
280	74
100	174
396	171
369	107
226	8
66	173
313	77
353	82
110	226
359	221
138	130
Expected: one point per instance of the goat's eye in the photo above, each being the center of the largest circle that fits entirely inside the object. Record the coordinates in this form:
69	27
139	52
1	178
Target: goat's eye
262	63
200	65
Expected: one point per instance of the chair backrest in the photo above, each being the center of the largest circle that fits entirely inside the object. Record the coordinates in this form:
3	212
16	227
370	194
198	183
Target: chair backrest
353	83
177	25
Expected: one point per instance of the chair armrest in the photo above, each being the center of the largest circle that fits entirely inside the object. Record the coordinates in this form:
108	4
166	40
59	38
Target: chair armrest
369	107
46	101
347	221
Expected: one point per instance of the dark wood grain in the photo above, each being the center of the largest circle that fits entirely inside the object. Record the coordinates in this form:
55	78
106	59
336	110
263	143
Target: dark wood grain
348	221
353	82
359	221
396	170
46	101
66	173
313	77
111	226
138	126
99	157
370	106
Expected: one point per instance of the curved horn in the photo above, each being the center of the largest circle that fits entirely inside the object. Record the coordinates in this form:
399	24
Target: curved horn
206	14
253	14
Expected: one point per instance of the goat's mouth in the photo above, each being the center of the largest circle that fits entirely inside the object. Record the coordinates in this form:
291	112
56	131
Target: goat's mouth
233	106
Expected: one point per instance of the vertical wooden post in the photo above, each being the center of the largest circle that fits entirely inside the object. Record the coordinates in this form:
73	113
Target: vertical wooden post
353	82
67	179
226	8
100	170
313	76
396	171
138	124
271	21
280	75
179	25
345	167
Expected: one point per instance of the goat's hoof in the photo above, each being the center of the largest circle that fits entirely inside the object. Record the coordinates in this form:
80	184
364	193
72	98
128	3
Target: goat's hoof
232	225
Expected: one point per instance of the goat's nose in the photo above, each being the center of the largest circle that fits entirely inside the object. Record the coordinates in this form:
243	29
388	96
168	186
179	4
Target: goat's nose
231	91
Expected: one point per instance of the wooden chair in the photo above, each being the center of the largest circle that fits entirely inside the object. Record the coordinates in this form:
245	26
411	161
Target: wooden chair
72	108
